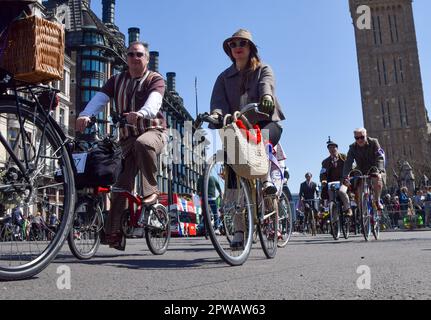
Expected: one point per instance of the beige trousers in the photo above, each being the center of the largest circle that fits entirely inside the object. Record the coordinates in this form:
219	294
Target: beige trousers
140	155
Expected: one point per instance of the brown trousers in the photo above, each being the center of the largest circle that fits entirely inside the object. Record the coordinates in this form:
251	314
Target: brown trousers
140	155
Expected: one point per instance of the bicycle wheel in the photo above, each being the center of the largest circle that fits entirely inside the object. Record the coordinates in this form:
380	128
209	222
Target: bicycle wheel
84	236
34	144
312	222
267	228
236	209
375	225
285	221
365	217
346	224
334	216
158	230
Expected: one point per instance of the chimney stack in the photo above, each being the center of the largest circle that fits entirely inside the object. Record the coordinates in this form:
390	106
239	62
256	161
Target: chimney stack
134	34
88	2
108	15
171	81
154	61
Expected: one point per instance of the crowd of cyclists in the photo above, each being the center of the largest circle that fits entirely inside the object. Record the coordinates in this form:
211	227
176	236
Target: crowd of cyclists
398	210
245	94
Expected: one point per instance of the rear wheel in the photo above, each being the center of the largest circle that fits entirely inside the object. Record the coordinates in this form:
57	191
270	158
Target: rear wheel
285	220
36	145
267	227
158	230
334	214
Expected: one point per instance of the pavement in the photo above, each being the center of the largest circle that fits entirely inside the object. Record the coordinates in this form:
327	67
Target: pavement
395	267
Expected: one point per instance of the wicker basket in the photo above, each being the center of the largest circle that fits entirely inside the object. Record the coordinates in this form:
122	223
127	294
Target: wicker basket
35	50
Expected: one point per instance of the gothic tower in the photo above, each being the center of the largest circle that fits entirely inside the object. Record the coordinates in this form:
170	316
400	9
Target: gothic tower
391	85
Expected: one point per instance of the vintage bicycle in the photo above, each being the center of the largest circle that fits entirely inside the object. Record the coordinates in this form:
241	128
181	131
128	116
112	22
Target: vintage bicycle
243	202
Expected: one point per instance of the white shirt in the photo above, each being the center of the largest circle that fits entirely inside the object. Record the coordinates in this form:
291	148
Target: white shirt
100	100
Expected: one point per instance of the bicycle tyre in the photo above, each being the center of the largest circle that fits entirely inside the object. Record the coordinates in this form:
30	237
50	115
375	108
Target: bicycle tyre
267	229
285	220
346	224
375	227
335	222
365	218
38	262
220	243
158	235
96	221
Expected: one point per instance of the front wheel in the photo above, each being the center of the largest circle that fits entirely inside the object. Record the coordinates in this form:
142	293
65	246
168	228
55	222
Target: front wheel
376	225
365	218
158	230
235	210
84	236
346	225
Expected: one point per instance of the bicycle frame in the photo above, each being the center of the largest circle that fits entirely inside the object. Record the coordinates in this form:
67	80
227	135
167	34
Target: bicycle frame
132	200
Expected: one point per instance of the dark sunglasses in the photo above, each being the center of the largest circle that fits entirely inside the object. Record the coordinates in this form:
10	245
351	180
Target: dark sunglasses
235	44
137	54
360	138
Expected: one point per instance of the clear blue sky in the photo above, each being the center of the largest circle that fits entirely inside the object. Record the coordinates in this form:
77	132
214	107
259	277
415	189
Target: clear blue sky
309	43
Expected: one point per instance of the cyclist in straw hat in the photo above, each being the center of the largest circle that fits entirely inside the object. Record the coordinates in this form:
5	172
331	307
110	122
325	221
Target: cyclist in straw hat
246	81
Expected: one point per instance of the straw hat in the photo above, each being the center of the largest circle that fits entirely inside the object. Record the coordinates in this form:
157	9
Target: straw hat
240	34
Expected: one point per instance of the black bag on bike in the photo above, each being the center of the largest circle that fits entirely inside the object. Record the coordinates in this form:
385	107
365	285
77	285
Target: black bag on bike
103	166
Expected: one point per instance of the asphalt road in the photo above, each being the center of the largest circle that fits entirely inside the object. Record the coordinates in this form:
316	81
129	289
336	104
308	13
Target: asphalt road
396	267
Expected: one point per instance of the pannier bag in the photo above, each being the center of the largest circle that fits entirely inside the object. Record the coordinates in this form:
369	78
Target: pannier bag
99	166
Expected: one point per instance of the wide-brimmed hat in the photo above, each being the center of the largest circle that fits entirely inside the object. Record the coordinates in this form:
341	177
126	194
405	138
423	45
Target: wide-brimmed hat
240	34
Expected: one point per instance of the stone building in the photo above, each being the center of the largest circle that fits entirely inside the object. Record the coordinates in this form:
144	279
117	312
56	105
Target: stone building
391	85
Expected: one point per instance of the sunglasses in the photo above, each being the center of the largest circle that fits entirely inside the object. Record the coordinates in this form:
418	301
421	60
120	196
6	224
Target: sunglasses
360	138
235	44
135	54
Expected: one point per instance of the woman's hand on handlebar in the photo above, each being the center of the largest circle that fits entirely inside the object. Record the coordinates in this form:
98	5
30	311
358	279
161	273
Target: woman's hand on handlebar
82	123
267	105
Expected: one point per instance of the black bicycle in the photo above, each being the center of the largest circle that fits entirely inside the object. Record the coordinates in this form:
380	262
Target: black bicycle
33	150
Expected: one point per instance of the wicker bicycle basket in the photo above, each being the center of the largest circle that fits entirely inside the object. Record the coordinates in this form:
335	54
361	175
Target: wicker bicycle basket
35	50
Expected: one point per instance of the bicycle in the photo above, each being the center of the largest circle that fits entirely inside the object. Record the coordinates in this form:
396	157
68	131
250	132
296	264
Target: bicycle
310	216
244	202
368	212
33	151
89	219
340	222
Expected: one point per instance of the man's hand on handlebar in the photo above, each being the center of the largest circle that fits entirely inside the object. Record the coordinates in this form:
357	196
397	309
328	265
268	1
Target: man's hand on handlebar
133	117
82	123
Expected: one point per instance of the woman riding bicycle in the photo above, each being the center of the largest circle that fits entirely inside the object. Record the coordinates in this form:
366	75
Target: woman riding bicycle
247	81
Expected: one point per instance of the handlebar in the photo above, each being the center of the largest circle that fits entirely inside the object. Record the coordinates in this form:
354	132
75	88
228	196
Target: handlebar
206	117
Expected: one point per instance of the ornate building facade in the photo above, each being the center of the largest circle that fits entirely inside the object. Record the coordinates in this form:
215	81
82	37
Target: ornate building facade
98	50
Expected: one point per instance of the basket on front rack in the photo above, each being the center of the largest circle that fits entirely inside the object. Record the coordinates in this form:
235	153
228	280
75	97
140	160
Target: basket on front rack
35	50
